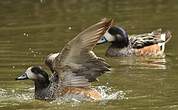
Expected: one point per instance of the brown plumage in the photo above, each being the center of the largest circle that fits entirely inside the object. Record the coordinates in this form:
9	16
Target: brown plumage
152	48
89	93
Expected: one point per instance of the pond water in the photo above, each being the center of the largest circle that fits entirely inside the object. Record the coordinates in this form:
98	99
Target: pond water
31	29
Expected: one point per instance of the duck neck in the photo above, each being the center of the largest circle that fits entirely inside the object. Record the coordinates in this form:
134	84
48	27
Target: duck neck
114	51
121	39
120	43
41	86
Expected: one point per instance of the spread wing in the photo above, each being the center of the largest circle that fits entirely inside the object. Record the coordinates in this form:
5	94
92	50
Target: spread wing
146	39
77	64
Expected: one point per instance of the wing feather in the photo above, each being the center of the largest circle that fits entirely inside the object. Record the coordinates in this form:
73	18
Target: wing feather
78	58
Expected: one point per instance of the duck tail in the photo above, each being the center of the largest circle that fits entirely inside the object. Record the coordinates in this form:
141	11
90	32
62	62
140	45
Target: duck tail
166	36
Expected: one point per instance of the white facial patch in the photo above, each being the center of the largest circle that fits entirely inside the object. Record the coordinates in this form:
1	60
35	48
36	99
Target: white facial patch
30	74
53	56
109	37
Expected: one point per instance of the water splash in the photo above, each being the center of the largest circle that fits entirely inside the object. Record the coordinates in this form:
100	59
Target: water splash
18	96
107	94
14	96
3	92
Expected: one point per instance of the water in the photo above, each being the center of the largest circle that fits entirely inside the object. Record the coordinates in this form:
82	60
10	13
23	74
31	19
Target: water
31	29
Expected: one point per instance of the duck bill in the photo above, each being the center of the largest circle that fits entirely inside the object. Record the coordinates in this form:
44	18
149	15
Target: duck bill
22	77
102	40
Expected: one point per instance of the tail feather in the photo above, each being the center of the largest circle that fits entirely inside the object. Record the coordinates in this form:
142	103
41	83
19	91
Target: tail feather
166	36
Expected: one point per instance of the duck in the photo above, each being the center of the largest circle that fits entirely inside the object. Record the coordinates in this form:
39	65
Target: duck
45	88
146	44
73	69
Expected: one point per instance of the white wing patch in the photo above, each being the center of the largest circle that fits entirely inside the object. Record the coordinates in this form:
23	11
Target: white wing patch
53	56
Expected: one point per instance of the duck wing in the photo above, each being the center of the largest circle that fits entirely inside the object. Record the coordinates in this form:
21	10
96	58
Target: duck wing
77	64
49	60
147	39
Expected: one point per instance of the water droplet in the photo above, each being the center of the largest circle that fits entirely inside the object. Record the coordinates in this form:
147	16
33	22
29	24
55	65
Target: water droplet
13	91
26	34
69	28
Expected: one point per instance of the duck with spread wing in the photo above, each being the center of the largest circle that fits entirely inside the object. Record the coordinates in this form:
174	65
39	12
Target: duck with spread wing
74	68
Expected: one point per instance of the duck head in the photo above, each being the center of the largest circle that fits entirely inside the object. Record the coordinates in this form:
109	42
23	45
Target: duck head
34	73
43	88
117	36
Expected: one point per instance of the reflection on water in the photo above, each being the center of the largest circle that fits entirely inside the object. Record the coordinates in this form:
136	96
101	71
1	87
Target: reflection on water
144	62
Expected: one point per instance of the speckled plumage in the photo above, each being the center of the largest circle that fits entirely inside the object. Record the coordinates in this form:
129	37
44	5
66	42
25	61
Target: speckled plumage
49	92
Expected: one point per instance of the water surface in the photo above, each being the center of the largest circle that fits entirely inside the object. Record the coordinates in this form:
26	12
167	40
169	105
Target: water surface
31	29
